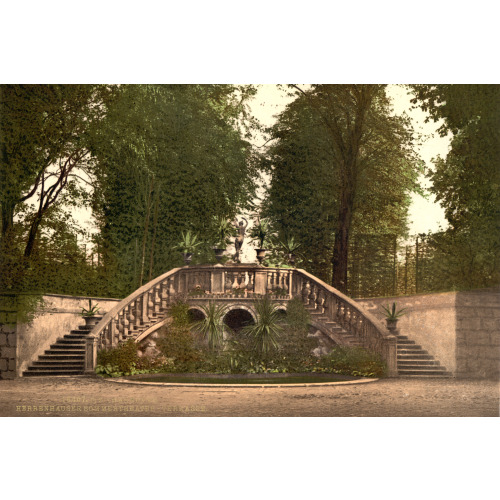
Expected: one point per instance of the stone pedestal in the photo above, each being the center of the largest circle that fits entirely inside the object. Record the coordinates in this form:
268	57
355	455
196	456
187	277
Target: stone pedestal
260	286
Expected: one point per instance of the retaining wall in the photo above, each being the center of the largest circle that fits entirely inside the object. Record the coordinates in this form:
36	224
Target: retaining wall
460	329
26	340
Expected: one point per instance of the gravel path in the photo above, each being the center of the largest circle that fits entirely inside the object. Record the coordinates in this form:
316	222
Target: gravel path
86	396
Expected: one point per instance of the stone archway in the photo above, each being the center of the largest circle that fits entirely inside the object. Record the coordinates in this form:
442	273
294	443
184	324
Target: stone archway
238	317
196	313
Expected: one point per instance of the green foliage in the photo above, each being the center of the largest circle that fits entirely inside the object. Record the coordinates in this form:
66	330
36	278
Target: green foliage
354	361
91	311
179	312
121	359
466	183
177	343
188	243
223	229
297	316
211	327
175	150
266	331
260	232
340	163
391	312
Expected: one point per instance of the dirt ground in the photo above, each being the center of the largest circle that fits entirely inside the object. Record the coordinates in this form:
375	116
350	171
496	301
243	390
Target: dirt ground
89	397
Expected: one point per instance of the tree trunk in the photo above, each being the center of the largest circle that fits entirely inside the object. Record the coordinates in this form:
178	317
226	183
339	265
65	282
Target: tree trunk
32	235
341	247
145	235
155	225
342	233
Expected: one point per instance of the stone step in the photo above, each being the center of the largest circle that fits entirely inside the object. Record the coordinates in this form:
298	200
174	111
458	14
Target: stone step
64	341
409	348
423	371
64	352
77	336
58	363
414	355
84	333
405	342
43	373
67	347
56	355
410	363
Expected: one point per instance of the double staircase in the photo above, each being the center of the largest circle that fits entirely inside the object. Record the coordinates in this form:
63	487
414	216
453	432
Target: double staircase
65	357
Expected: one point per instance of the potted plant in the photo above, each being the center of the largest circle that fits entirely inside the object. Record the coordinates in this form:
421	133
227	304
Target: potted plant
90	315
288	246
259	233
392	316
223	230
188	245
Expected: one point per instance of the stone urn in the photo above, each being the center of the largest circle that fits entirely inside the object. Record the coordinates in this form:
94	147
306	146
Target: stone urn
91	321
291	259
261	254
392	325
219	253
187	257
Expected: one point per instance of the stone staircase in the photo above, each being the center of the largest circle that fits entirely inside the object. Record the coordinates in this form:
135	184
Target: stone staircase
332	329
413	361
65	357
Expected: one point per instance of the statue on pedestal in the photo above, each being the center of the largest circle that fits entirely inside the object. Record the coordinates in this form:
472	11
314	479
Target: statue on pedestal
238	241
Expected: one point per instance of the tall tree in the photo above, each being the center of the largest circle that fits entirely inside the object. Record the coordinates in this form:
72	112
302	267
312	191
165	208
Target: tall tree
344	156
467	181
177	151
43	148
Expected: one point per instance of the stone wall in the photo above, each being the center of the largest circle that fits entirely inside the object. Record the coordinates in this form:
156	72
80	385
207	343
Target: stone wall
478	334
8	336
460	329
56	316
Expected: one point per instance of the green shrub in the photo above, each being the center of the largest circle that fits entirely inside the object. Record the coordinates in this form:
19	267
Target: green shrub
120	359
266	331
211	327
354	361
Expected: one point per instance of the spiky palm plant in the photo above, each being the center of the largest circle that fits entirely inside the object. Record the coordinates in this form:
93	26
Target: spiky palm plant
265	333
188	243
212	326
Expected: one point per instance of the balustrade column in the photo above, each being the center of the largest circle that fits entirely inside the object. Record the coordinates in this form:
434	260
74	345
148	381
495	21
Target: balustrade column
90	354
260	286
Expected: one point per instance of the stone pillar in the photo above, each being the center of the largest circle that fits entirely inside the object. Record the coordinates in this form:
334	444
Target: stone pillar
390	355
217	281
8	336
260	286
90	354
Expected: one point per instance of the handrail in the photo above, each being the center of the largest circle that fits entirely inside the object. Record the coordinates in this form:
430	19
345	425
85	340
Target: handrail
329	301
353	304
97	330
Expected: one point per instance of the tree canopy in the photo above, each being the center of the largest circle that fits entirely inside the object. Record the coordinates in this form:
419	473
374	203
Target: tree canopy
467	181
340	162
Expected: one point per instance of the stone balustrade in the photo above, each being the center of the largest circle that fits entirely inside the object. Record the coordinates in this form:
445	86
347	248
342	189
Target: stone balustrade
148	304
